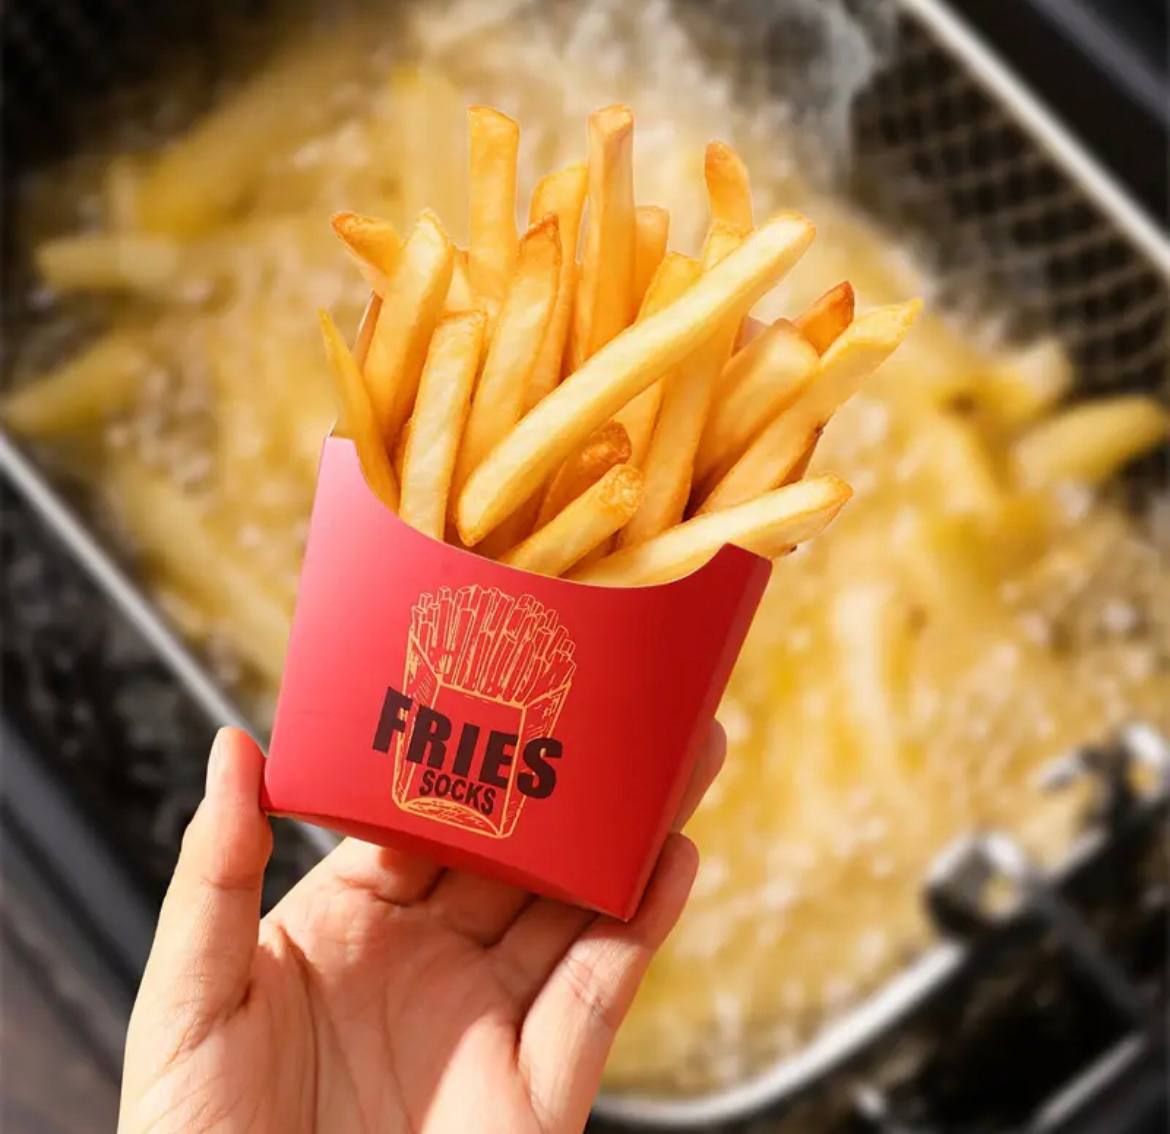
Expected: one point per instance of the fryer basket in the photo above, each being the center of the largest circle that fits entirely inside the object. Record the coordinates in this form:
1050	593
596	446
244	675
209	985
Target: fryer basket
1023	228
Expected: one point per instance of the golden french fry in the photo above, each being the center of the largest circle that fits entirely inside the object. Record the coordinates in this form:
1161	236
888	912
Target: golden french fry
175	535
729	188
584	524
499	395
686	399
365	332
827	317
608	447
1091	441
767	525
374	245
623	369
398	456
758	382
560	194
674	275
495	139
357	419
770	458
605	292
410	309
110	261
1022	386
651	232
434	431
78	395
460	295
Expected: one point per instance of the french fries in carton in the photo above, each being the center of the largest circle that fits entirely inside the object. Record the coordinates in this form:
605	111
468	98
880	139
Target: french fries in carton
517	617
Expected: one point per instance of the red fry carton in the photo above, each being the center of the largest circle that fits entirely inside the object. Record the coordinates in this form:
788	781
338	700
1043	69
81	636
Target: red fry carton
531	729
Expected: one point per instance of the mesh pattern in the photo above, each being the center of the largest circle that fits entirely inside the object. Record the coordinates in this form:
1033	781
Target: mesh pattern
1007	230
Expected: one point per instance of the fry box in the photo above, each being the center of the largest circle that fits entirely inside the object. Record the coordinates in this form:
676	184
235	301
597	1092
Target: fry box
530	729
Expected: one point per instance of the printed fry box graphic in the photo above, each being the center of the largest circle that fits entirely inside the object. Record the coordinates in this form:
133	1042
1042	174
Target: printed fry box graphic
481	655
530	729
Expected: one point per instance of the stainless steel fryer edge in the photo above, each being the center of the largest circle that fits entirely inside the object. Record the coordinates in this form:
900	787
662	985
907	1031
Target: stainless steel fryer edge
34	487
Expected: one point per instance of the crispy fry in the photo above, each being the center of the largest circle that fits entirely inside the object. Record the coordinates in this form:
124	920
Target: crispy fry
605	292
176	537
675	274
622	370
374	245
1025	384
398	456
495	139
686	399
499	394
434	432
460	295
584	524
758	382
864	346
79	394
560	194
1091	441
608	447
767	525
410	310
827	317
356	418
365	332
110	261
729	188
651	232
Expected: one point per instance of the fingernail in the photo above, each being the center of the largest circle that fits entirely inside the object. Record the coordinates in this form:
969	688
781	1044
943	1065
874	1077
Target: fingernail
215	763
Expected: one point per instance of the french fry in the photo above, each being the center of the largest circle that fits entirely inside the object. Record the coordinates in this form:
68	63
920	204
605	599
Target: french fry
410	310
758	382
110	261
460	295
729	189
686	399
495	139
398	456
1025	384
651	232
827	317
435	429
605	291
356	418
560	194
585	523
608	447
675	274
1090	442
771	523
499	395
621	370
175	535
78	395
374	245
771	457
365	332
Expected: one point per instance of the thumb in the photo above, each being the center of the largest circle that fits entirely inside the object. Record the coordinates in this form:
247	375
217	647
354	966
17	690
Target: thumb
209	922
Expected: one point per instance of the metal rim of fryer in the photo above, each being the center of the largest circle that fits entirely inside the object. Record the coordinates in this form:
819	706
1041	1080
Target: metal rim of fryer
852	1032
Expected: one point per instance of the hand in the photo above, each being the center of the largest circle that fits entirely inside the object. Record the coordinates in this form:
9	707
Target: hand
383	993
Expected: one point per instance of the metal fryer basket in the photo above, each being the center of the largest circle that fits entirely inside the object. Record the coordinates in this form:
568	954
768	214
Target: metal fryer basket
1018	217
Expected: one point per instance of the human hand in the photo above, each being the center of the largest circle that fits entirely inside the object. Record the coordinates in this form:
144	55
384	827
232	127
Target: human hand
383	993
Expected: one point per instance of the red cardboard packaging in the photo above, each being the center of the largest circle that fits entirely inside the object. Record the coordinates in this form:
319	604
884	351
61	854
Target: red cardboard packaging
531	729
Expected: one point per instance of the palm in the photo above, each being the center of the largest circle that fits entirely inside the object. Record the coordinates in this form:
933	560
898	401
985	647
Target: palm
384	994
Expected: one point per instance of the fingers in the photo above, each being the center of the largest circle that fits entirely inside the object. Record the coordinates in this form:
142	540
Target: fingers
569	1029
706	768
479	908
207	930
